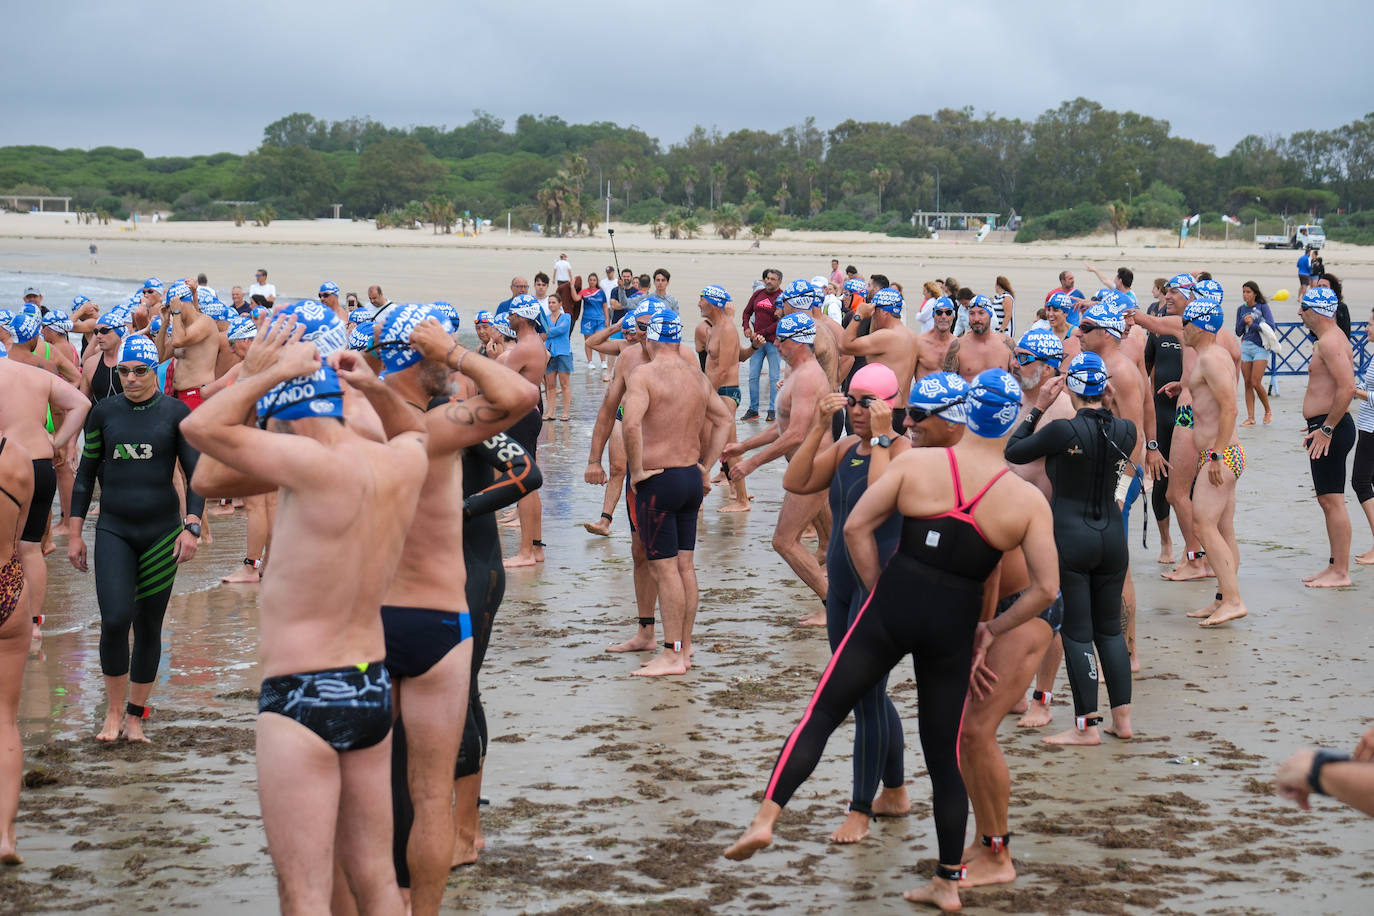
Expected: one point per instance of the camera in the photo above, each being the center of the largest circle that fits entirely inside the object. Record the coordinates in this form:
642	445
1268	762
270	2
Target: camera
610	232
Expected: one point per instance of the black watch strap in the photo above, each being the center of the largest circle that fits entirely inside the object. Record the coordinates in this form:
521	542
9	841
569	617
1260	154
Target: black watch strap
1322	758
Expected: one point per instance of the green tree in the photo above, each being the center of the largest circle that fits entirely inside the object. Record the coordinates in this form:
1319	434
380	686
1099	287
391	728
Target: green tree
440	213
719	170
881	176
658	179
298	179
689	182
752	181
728	221
389	173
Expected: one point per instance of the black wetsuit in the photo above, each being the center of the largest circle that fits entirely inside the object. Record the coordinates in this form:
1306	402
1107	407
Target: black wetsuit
1082	456
104	381
1163	355
133	450
878	743
926	603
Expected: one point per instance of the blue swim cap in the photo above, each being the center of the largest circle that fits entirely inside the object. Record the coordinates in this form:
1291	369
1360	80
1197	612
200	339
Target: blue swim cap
1320	299
855	285
528	307
981	302
1061	301
152	283
1087	374
258	311
1105	317
450	318
360	338
179	292
217	311
322	326
648	305
78	301
328	288
800	294
889	300
315	395
1204	313
359	315
502	325
154	325
483	317
242	328
715	295
25	326
1184	282
138	349
114	318
944	302
393	336
58	320
942	393
994	403
628	324
665	327
797	327
1044	343
1209	288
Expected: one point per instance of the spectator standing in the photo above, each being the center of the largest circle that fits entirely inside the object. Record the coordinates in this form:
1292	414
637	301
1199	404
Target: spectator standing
761	318
260	287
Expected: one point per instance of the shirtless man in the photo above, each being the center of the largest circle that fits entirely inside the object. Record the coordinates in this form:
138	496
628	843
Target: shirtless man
425	615
324	713
193	338
610	342
801	296
935	342
29	392
529	358
25	333
982	347
1039	354
723	356
888	342
801	392
1330	428
1212	384
667	405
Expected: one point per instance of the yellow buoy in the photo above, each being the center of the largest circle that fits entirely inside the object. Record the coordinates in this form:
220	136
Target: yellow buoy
1281	296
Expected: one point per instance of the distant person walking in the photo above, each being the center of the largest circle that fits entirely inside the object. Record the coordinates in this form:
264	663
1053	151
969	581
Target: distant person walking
95	258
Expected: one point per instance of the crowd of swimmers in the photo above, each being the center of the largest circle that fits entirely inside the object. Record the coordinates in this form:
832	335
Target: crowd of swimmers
970	494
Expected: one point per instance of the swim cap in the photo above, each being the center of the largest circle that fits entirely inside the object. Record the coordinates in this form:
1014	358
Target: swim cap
3	351
393	335
78	301
715	295
155	325
33	309
360	338
179	292
1061	301
665	327
450	315
800	294
328	288
1209	288
527	307
1044	343
483	317
628	324
993	403
152	283
981	302
242	328
944	302
1322	300
1105	317
25	326
855	285
1111	298
877	379
502	325
138	349
114	318
58	320
648	305
1184	282
1087	374
943	393
889	300
1204	313
315	395
258	311
322	326
797	327
358	315
217	311
6	316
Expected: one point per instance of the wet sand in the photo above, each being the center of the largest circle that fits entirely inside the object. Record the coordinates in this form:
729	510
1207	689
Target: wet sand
613	794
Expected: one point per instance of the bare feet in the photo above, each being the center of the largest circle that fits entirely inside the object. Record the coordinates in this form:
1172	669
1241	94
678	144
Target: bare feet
813	620
667	663
892	803
1166	553
758	836
1226	610
988	868
1330	578
244	575
1248	421
1366	558
1325	569
735	506
1038	716
111	730
1207	611
1087	737
606	375
939	892
524	558
9	851
1120	726
1268	418
853	830
133	731
1021	706
602	527
1188	570
641	642
1135	663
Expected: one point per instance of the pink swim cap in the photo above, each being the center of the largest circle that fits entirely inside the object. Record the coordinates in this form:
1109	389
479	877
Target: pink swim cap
878	379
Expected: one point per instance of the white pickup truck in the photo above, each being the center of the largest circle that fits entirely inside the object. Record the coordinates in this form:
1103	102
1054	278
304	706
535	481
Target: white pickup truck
1305	236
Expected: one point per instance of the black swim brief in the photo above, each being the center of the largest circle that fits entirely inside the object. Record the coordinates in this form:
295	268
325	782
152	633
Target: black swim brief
666	507
731	392
418	638
40	507
1053	615
526	429
350	708
1328	472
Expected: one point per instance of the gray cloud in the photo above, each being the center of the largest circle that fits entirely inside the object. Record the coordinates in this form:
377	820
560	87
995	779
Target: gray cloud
180	79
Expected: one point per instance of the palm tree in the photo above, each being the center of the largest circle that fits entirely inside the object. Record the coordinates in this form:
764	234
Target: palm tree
881	175
849	183
576	170
628	173
718	173
817	201
439	211
689	182
783	195
1119	216
658	177
811	170
728	221
752	181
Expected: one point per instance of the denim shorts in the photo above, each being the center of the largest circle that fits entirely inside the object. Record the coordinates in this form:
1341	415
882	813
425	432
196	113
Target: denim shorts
1251	352
559	364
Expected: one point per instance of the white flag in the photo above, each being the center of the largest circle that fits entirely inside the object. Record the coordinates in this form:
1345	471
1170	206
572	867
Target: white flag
1194	219
1230	219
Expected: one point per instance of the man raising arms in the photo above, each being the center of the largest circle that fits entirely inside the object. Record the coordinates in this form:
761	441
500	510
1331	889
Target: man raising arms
193	338
667	403
324	722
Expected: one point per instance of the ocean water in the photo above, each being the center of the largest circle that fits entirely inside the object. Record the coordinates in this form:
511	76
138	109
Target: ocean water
59	289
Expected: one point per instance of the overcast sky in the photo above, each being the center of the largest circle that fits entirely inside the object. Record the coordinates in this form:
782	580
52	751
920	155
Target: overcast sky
201	78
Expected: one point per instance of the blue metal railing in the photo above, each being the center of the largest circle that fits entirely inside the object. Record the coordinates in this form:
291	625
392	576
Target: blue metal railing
1294	351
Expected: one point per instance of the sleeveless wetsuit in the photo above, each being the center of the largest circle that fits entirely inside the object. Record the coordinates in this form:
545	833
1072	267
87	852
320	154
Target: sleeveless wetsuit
104	381
1164	355
1081	459
926	603
133	450
878	741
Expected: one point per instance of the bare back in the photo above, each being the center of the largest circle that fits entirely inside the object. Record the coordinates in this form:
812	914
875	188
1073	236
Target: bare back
676	414
528	357
799	395
431	573
197	358
722	355
24	406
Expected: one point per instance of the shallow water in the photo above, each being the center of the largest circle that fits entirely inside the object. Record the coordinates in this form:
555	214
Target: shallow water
611	793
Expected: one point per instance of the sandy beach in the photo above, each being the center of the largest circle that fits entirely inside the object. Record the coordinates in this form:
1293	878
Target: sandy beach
611	794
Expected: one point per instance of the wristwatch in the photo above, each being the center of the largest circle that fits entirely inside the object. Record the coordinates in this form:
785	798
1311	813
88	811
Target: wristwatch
193	527
1321	759
1327	431
880	441
1213	456
1152	445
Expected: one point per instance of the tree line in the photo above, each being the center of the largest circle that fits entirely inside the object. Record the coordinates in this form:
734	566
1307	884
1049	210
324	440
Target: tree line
1079	158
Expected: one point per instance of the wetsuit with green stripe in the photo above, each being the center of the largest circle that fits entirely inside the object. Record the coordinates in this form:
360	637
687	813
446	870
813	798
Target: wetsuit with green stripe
132	449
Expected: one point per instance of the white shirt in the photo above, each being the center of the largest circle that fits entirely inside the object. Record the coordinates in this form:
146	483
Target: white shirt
562	271
833	308
267	290
607	285
927	315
